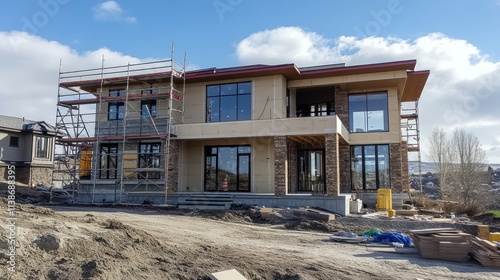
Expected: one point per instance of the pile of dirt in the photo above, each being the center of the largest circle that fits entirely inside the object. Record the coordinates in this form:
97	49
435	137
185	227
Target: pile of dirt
25	194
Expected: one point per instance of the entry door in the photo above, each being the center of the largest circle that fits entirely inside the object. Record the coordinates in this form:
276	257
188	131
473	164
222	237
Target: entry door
311	169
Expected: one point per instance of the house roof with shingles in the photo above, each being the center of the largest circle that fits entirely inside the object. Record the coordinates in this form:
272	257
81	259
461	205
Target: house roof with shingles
25	125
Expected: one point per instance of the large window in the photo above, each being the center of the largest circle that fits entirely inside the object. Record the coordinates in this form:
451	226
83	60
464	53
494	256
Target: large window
370	167
149	160
108	161
368	112
42	147
116	110
229	102
227	168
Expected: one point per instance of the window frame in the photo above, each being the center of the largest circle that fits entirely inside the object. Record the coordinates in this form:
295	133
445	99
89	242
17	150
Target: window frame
115	115
377	160
304	110
240	152
42	153
13	143
109	156
217	94
366	111
151	106
147	155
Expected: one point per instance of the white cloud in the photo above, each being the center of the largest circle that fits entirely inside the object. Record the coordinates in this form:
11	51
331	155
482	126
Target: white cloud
111	11
30	72
463	90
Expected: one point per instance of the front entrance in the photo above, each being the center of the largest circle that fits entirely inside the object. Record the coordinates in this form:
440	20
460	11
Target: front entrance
311	171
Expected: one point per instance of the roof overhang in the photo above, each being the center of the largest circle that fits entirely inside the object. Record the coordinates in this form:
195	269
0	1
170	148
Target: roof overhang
414	85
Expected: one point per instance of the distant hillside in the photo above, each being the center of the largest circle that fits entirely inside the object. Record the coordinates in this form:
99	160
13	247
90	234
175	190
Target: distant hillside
430	167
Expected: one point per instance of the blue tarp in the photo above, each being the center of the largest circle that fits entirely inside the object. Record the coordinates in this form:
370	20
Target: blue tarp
391	237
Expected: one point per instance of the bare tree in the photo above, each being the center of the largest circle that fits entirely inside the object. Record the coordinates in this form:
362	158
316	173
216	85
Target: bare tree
461	164
440	154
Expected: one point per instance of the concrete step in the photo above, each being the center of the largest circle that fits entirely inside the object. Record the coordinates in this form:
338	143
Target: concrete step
204	206
208	199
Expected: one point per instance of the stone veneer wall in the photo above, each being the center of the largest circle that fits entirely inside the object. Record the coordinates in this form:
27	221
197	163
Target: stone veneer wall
280	165
332	164
30	175
292	167
345	167
173	166
404	167
342	107
396	167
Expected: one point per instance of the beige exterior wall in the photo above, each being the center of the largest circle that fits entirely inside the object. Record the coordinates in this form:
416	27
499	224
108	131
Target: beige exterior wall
20	153
192	155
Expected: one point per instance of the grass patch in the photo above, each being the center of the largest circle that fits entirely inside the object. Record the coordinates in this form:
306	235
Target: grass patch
496	213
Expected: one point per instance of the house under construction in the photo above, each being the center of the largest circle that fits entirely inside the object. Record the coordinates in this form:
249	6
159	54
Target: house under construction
274	135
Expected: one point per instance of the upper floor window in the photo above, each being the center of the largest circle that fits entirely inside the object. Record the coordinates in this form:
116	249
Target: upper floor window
148	108
368	112
14	141
229	102
42	147
116	110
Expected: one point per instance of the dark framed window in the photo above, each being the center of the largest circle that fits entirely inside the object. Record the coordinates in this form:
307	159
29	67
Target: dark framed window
370	167
229	102
318	109
227	168
148	108
311	171
368	112
108	161
116	109
149	160
14	141
42	147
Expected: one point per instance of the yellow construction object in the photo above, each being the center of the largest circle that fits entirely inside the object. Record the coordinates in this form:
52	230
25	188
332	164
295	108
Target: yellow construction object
495	236
384	199
483	232
85	163
391	213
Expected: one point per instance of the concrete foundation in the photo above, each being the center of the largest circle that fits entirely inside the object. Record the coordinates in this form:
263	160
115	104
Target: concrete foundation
336	204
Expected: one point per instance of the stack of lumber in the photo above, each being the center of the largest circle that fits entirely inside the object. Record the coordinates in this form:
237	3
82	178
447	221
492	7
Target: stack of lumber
442	244
485	252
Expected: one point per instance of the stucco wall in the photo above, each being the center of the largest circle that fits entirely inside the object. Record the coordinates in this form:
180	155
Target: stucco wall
192	158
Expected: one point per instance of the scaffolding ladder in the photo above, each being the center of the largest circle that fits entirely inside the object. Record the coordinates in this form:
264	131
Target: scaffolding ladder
410	132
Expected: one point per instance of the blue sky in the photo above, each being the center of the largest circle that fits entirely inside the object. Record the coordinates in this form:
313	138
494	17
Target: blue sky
456	40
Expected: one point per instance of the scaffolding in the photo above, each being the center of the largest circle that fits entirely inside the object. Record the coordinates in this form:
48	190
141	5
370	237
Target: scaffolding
118	123
410	132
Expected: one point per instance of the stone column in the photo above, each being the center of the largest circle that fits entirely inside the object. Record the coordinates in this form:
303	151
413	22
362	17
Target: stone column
173	166
345	167
332	164
280	165
342	107
396	163
405	180
292	166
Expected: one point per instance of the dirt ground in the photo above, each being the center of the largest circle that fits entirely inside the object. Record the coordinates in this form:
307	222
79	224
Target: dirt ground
147	243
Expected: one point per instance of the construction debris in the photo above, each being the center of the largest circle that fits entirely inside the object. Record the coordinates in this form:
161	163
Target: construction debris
485	252
442	243
231	274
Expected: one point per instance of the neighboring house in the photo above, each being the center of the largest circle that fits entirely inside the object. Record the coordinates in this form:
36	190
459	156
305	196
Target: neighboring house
29	146
274	130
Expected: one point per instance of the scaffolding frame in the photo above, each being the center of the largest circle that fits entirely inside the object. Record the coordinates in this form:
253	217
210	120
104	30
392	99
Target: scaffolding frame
117	106
410	132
